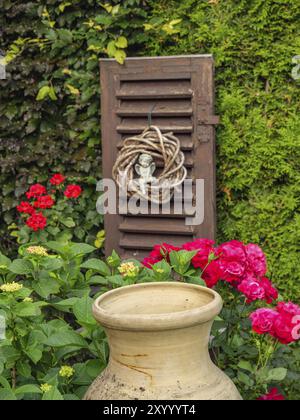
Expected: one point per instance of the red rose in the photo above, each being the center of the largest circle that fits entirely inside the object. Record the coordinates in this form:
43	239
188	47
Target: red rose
150	261
25	207
57	179
45	202
273	395
211	275
256	260
36	191
263	320
162	251
283	330
204	247
73	191
288	309
284	325
158	253
270	291
232	261
252	289
37	221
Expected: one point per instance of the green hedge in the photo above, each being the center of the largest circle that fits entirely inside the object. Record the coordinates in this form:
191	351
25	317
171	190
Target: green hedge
258	140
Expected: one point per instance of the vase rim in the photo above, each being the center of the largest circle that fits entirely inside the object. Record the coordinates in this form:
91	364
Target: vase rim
130	307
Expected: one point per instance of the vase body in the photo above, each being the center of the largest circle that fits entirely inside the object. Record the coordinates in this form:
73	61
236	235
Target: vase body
158	336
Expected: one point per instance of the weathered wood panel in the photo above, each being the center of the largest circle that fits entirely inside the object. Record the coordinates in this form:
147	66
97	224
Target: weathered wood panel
182	90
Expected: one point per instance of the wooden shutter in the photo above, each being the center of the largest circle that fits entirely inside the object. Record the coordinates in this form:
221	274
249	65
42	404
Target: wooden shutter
182	90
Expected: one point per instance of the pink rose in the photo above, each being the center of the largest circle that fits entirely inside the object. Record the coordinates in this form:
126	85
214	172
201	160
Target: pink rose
273	395
232	261
252	289
288	309
256	260
263	320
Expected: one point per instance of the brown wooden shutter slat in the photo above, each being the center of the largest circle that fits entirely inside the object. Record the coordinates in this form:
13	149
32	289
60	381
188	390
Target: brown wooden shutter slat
180	93
150	225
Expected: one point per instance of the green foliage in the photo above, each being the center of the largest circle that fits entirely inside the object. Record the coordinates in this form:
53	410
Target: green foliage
49	325
57	46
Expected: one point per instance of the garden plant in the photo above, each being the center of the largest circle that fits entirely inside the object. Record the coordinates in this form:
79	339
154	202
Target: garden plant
51	260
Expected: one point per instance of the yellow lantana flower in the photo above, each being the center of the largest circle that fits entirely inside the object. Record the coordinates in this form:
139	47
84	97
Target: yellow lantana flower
66	372
11	287
45	388
129	269
40	251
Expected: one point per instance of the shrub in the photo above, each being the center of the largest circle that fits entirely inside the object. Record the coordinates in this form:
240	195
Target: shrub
54	349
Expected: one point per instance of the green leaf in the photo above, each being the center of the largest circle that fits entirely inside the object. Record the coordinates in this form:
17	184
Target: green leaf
65	338
52	395
120	56
121	42
245	379
21	267
59	247
28	389
52	94
46	286
52	264
27	309
244	364
96	265
116	280
111	49
7	395
43	93
94	280
81	249
277	374
65	305
68	222
4	261
65	35
196	280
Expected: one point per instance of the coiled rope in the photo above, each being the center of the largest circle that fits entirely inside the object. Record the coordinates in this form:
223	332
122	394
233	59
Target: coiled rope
164	147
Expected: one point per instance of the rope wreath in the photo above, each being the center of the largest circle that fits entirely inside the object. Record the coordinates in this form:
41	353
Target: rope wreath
165	147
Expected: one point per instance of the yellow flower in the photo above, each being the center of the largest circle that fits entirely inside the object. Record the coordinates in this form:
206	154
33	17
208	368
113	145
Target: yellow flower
11	287
160	270
37	250
66	372
45	388
28	299
129	269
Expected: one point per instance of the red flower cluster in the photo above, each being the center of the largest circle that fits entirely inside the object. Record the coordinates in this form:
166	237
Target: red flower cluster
273	395
36	191
282	323
25	208
57	179
243	266
159	253
43	201
37	221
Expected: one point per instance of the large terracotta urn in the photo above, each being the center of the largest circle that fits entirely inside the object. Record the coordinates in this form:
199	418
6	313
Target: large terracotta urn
158	336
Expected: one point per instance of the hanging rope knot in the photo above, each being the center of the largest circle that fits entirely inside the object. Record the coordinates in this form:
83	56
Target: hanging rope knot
134	168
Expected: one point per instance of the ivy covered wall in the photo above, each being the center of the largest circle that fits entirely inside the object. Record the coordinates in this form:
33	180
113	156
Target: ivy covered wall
49	104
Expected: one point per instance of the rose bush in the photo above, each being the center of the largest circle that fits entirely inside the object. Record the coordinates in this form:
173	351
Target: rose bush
53	347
